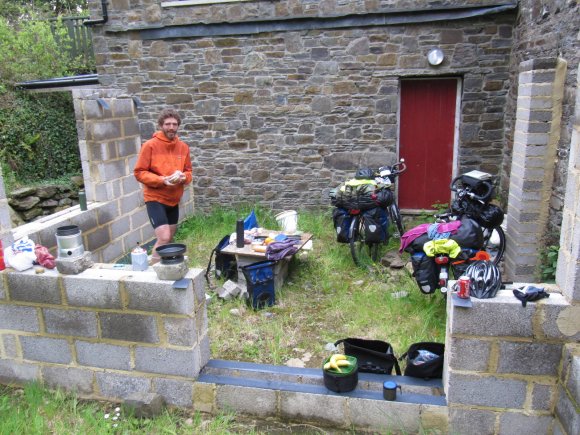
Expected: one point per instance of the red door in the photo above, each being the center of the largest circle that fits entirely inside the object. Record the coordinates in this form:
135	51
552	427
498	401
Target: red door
426	141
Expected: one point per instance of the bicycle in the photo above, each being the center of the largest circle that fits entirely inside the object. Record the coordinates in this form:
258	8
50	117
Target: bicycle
473	193
365	234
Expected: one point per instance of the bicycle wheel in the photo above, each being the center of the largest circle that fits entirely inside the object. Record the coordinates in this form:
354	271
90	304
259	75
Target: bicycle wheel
363	253
494	243
396	218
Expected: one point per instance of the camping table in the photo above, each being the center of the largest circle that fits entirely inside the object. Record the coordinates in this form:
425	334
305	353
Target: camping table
247	255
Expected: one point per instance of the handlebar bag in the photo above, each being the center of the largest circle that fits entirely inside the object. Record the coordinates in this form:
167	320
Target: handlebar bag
373	356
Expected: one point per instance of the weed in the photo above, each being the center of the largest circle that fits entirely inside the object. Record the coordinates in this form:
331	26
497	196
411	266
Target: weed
549	263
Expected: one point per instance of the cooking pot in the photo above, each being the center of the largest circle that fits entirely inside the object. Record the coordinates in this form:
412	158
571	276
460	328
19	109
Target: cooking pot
172	253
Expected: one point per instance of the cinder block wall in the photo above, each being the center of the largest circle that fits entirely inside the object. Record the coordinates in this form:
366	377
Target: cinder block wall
116	219
504	364
104	333
537	133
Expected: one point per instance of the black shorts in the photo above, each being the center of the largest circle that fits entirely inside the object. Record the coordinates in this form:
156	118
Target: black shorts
161	214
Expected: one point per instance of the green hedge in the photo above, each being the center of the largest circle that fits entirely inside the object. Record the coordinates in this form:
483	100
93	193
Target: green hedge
38	137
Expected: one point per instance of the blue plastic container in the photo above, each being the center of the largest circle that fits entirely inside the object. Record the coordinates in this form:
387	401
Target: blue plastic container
260	282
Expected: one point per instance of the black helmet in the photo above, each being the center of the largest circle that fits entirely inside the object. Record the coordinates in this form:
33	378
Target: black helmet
365	174
485	279
490	216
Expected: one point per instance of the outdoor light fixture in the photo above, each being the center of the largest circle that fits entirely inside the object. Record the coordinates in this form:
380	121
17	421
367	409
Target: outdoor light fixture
435	56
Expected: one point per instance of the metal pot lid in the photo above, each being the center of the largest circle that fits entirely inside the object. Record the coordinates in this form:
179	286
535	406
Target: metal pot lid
171	250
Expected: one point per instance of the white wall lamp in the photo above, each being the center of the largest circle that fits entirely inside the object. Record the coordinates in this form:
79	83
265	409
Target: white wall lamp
435	57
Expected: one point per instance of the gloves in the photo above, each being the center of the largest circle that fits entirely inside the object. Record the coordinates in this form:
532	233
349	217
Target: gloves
530	294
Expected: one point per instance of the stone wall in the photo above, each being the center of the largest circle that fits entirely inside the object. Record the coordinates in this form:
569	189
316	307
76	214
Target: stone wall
504	366
104	333
280	116
30	203
536	20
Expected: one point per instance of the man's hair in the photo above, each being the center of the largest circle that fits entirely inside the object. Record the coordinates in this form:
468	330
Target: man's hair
168	113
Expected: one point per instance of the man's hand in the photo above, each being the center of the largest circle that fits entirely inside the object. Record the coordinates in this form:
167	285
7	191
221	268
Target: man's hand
177	177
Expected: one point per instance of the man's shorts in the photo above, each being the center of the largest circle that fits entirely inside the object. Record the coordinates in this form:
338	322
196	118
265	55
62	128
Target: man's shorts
161	214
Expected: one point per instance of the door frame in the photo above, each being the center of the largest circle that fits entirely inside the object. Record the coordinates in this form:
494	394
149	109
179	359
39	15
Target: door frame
455	162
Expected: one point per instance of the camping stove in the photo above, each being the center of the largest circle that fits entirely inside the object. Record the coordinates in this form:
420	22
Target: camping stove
69	242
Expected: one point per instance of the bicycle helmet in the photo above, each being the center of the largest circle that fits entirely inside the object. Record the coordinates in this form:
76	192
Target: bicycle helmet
485	279
490	216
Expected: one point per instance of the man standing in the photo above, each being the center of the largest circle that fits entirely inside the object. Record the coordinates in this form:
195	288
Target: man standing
164	168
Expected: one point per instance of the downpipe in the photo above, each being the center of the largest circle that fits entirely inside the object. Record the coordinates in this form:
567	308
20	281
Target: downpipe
100	20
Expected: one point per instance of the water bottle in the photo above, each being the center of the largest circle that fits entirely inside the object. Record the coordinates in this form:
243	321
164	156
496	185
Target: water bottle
240	233
83	200
2	263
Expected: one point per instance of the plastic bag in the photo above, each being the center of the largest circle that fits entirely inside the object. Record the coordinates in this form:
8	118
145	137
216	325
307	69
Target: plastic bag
43	257
20	255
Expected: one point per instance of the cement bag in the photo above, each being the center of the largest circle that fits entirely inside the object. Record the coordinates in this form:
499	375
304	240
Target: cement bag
20	255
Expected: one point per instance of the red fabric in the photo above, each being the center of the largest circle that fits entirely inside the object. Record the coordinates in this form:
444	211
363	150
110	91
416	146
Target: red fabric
44	258
160	157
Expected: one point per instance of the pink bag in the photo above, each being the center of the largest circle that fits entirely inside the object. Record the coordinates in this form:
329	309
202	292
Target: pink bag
44	258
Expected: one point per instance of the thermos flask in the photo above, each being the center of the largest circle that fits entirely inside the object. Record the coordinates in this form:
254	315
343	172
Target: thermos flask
240	233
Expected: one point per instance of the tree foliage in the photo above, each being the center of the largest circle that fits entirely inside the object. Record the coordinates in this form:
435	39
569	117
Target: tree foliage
14	10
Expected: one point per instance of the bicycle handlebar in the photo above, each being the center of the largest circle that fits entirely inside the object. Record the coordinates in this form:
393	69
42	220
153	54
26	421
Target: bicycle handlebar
396	169
483	198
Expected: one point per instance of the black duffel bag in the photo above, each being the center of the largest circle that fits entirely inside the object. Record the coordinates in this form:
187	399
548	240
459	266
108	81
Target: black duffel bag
424	365
373	356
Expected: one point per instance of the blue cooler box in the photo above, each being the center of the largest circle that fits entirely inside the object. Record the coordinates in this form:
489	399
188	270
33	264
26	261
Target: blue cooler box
260	282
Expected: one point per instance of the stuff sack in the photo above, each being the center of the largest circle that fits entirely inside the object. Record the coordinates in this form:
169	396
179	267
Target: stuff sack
425	272
424	360
361	194
375	225
226	266
469	234
373	356
342	221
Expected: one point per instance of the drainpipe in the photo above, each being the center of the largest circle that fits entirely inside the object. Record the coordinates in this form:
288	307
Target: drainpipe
101	20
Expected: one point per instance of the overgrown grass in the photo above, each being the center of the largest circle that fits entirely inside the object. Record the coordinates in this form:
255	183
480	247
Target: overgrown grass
325	298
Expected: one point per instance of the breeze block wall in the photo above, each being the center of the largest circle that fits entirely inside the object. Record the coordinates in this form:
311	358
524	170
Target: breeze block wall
105	333
504	371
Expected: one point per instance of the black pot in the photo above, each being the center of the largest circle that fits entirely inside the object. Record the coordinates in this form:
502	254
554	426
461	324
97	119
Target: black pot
171	253
341	382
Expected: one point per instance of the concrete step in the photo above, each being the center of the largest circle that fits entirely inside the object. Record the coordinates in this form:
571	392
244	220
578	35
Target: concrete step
305	380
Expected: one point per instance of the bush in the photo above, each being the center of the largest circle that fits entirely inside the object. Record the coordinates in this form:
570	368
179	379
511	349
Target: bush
38	137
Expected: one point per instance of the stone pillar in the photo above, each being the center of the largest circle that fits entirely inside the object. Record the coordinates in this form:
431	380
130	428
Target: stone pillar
568	271
537	131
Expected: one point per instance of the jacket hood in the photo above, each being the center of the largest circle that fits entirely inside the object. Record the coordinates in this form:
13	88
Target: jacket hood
159	135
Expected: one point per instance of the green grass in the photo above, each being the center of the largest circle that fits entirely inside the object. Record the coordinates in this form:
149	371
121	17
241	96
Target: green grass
325	298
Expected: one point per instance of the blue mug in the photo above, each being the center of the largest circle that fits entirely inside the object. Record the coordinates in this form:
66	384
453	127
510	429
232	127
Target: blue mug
390	390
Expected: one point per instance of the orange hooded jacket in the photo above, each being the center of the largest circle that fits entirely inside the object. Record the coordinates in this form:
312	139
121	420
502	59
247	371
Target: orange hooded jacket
158	158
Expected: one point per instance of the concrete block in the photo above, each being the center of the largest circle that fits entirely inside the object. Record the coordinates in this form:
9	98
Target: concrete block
71	379
107	356
92	288
19	318
204	397
204	350
573	382
46	349
74	323
559	318
180	331
116	386
74	266
229	290
434	419
500	316
529	358
486	391
145	405
471	421
167	361
148	293
2	287
10	345
329	410
199	284
511	422
30	287
543	397
12	372
177	393
170	272
245	400
566	412
129	327
384	416
467	354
